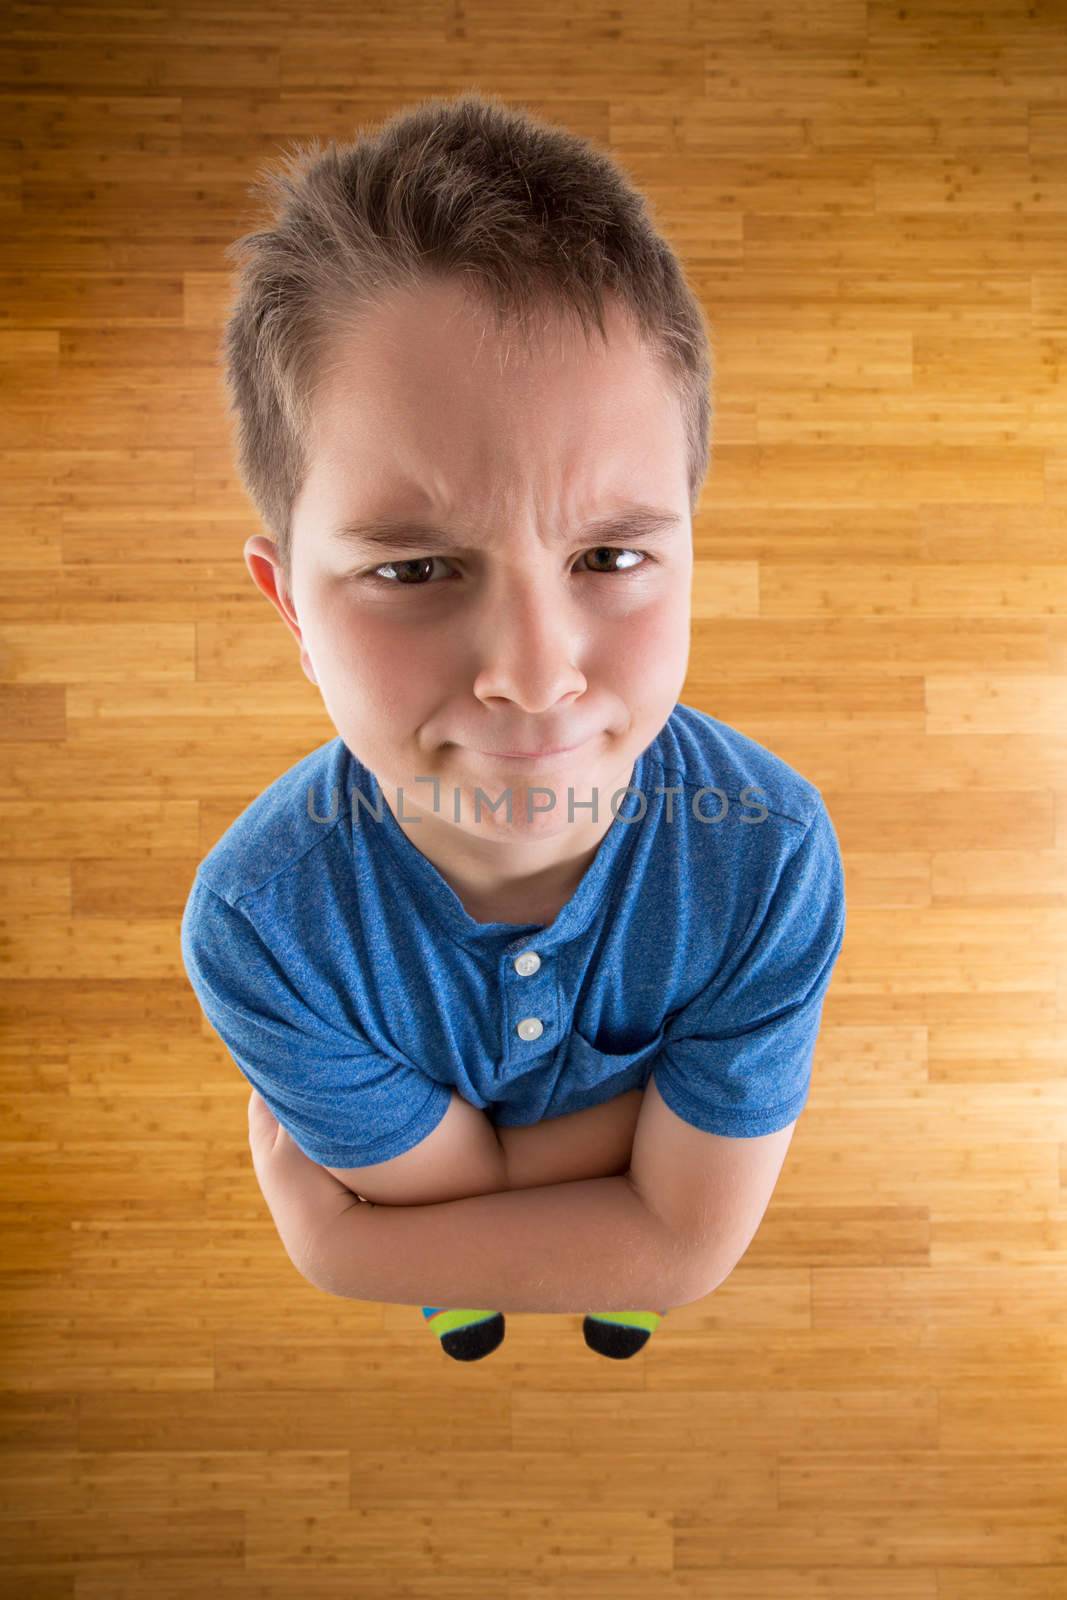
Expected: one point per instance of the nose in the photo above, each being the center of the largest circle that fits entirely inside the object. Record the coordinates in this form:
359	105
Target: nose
528	645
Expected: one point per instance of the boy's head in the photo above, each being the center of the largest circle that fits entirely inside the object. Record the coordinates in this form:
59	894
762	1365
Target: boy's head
495	344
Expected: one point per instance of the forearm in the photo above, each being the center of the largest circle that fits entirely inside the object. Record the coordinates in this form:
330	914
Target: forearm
568	1247
594	1143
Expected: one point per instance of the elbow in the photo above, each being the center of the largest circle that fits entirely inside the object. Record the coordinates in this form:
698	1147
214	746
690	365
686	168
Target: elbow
692	1293
689	1283
698	1278
680	1279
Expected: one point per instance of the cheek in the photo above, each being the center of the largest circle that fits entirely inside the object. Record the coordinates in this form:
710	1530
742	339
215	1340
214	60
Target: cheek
374	673
649	641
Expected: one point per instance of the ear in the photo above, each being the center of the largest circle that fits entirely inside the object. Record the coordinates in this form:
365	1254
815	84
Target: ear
264	563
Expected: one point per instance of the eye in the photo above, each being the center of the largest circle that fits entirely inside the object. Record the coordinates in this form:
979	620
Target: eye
421	561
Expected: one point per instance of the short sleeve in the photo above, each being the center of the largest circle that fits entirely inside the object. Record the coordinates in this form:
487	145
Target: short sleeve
342	1101
737	1060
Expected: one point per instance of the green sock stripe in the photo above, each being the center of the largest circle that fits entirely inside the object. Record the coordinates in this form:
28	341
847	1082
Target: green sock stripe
649	1320
447	1321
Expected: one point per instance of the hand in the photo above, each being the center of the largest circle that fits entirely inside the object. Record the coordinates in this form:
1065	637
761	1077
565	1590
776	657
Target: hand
304	1199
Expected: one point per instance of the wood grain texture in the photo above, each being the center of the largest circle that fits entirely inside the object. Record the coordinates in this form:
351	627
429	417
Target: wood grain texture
871	201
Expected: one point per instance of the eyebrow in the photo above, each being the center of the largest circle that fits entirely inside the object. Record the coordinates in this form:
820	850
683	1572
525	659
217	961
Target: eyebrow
403	533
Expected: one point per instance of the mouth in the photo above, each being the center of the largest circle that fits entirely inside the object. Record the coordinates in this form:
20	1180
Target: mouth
531	759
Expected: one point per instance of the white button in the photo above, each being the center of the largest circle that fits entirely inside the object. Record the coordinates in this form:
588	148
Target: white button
530	1028
528	962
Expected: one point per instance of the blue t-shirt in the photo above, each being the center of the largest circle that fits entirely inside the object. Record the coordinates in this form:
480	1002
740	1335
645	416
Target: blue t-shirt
354	990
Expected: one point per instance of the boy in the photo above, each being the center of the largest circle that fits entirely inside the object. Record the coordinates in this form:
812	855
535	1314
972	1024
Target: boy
543	888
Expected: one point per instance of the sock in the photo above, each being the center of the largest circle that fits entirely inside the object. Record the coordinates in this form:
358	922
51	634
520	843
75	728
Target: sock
620	1334
466	1335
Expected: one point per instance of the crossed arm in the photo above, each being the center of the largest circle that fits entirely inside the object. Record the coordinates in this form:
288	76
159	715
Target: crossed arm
551	1223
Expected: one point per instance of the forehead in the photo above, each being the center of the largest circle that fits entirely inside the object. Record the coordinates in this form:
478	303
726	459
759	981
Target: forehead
417	350
446	320
427	405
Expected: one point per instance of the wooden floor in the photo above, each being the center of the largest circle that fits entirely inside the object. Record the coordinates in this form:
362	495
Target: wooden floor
871	200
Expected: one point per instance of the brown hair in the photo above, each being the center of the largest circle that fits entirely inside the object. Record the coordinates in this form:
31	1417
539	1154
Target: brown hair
467	189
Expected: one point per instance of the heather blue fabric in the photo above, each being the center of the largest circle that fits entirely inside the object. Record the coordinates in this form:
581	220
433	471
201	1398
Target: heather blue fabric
353	990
